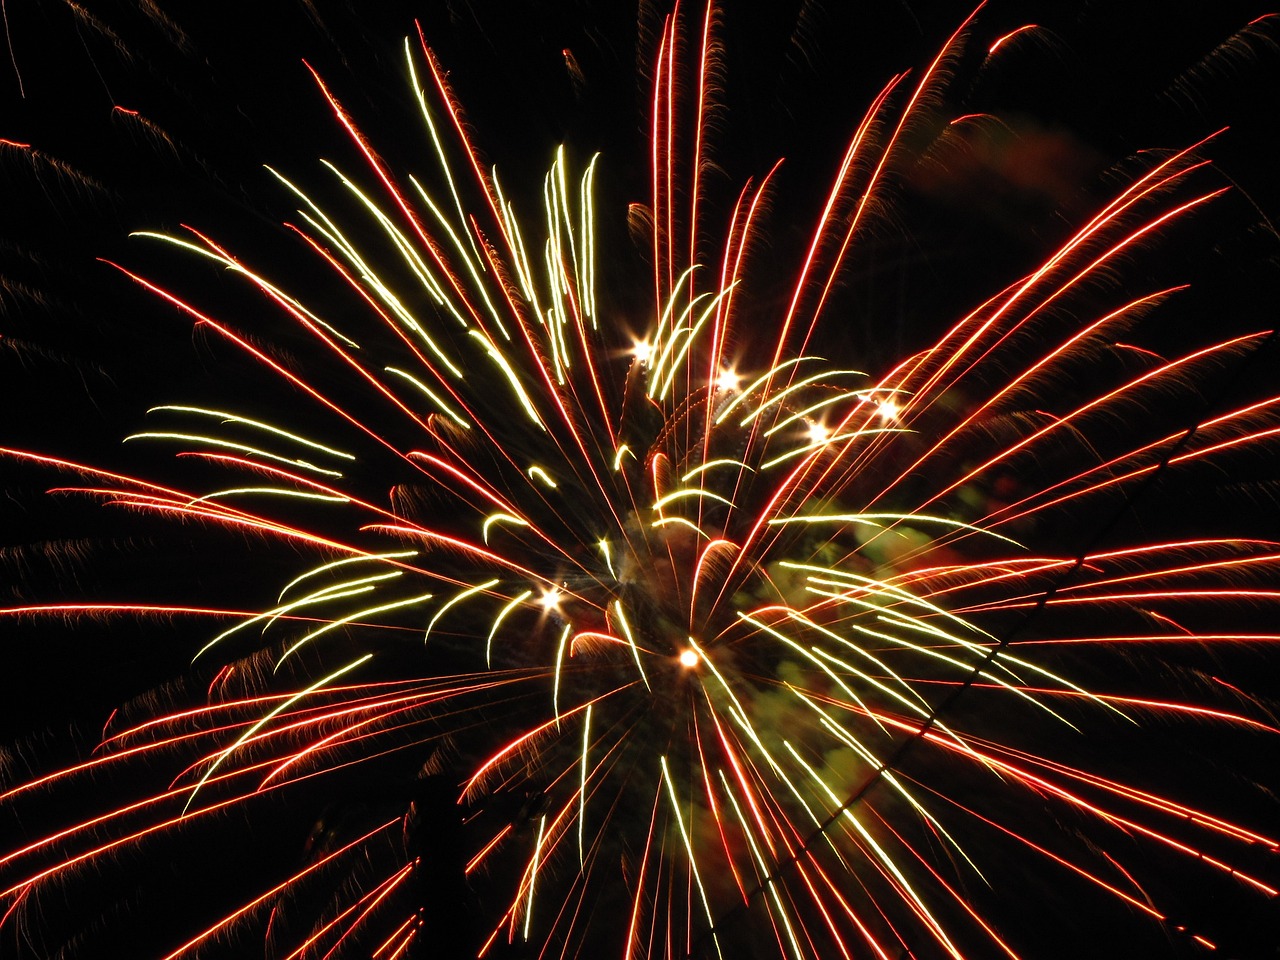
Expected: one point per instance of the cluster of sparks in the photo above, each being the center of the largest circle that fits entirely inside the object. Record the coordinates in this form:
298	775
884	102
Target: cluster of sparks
693	607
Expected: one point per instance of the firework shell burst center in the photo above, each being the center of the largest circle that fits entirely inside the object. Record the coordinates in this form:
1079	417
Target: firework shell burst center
695	644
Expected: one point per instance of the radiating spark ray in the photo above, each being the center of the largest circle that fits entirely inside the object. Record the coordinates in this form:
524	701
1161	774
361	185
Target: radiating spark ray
268	717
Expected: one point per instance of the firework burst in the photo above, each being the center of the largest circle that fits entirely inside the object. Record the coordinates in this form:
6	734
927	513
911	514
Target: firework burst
674	637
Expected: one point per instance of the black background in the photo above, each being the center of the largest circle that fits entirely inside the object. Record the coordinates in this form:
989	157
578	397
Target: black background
83	352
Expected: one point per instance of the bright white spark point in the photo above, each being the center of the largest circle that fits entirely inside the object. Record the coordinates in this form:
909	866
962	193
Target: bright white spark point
728	380
642	350
818	433
550	600
888	410
688	659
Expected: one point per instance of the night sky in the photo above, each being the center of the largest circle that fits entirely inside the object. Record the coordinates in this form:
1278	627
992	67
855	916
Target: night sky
136	121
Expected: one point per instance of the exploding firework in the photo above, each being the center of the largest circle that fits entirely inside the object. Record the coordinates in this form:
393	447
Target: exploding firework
674	636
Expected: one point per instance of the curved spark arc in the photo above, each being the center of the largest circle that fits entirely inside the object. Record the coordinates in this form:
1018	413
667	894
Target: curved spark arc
715	645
